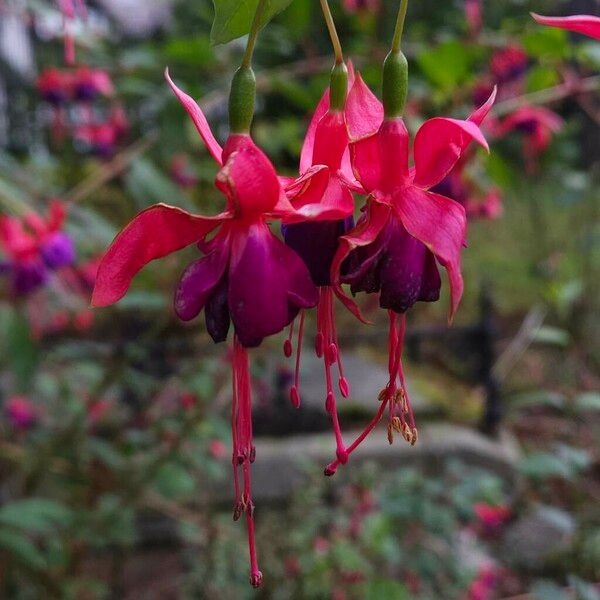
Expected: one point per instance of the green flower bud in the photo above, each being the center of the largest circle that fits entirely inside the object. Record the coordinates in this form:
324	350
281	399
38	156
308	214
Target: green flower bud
241	100
395	84
338	86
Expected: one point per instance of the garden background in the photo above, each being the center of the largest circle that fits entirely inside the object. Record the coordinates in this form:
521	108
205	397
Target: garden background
114	434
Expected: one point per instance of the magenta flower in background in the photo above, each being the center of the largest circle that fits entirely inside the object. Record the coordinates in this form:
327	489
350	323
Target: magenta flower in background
20	412
34	246
538	125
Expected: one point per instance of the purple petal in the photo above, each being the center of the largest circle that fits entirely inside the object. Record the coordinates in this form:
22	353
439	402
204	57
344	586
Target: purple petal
316	243
199	281
268	283
216	312
58	251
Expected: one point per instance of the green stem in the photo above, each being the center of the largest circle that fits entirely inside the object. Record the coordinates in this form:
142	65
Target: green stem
254	29
335	40
399	26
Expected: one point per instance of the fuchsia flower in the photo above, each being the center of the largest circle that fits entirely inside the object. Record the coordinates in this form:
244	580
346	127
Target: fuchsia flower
537	124
89	83
361	6
33	247
325	184
491	517
55	86
20	412
247	275
508	64
403	230
585	24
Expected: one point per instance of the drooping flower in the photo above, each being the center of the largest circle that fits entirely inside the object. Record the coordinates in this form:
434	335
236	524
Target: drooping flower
537	124
325	184
55	86
491	517
361	7
585	24
404	229
508	64
33	247
247	275
90	83
20	412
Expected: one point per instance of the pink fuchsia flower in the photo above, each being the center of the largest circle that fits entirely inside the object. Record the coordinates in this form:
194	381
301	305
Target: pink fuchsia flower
585	24
404	228
55	87
217	449
361	6
20	412
537	124
89	83
33	246
247	275
483	586
491	517
508	64
325	184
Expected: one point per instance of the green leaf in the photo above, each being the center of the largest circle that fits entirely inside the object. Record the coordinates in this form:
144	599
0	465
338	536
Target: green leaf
23	356
233	18
22	550
386	588
174	481
35	515
148	185
447	65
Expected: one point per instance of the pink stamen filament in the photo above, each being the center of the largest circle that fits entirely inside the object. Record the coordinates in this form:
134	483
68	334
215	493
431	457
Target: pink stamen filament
243	448
329	351
295	391
397	331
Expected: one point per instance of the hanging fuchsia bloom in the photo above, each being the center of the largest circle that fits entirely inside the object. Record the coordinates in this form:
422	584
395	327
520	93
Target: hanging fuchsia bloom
404	228
247	275
326	184
55	86
89	83
33	247
538	125
20	412
585	24
508	64
361	6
